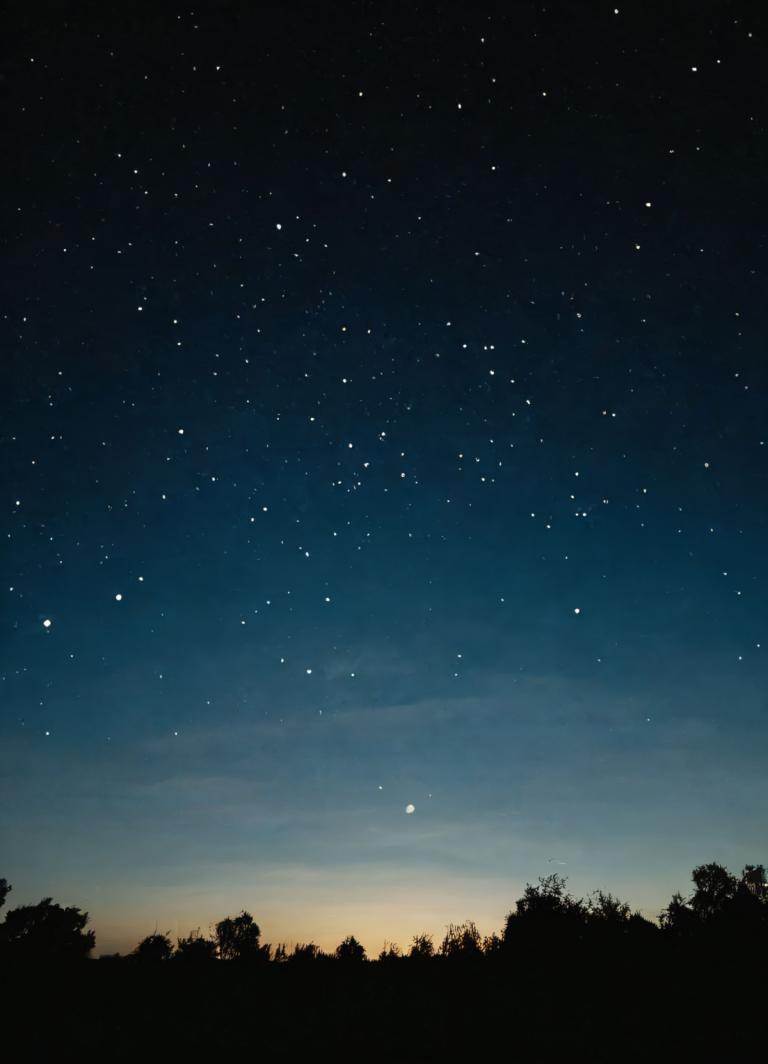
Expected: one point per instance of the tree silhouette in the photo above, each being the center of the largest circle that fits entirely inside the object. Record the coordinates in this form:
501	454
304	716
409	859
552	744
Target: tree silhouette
610	921
350	950
492	945
153	948
678	919
724	910
238	937
303	953
604	908
422	948
46	931
715	887
546	912
745	916
390	953
5	890
462	942
753	880
195	949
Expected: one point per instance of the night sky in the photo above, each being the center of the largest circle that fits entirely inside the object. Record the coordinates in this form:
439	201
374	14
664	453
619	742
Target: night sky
383	450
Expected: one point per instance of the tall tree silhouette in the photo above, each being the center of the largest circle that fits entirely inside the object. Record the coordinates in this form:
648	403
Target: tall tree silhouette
238	938
715	887
5	890
546	913
492	945
678	919
462	942
390	952
723	908
610	921
304	952
422	948
46	931
350	950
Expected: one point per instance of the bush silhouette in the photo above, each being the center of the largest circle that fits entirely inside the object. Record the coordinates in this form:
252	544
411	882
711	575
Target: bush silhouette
153	948
195	949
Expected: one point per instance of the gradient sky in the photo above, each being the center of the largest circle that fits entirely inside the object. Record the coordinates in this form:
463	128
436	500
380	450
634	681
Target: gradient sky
383	421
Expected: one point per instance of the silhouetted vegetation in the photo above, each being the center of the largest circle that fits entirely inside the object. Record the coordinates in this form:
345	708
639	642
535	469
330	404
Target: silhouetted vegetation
153	948
237	939
563	973
195	948
45	932
350	950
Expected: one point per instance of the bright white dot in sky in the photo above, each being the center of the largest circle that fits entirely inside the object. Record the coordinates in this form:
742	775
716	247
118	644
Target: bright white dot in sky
278	226
410	808
309	672
181	432
577	610
47	623
118	597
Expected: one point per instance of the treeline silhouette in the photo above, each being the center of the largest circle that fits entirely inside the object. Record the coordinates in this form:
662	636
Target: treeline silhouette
563	972
722	909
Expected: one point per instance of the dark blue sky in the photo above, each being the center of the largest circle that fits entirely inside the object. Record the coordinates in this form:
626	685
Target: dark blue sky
383	422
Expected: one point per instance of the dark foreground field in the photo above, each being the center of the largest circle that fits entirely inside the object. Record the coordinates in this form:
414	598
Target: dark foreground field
545	1007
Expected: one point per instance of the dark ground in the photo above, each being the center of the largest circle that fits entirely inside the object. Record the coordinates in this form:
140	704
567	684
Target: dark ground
545	1008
